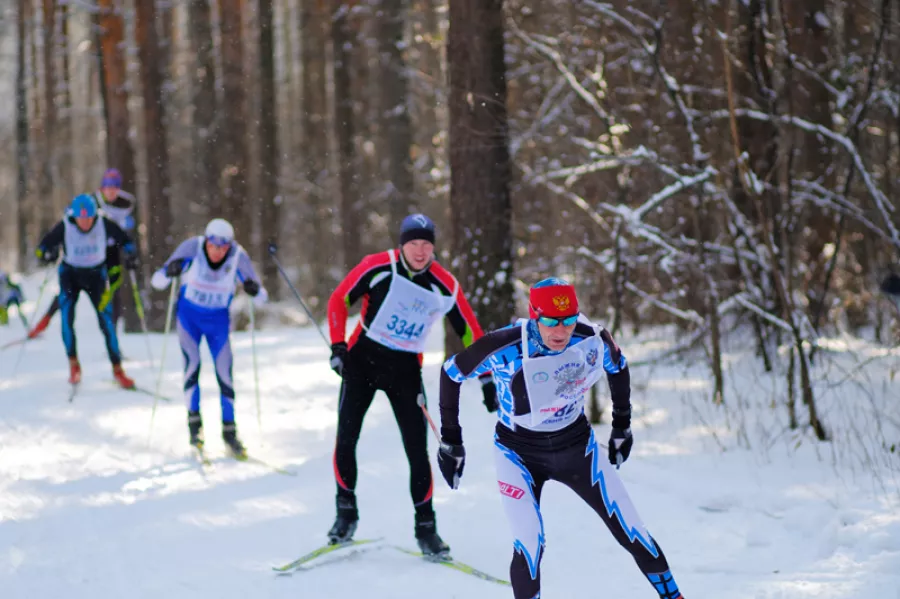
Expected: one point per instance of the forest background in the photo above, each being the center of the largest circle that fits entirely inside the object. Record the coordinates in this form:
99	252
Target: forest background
725	168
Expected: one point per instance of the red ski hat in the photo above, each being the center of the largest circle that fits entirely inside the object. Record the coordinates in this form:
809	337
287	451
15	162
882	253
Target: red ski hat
552	297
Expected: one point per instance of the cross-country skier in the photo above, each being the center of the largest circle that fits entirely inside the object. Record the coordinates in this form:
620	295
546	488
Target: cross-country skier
404	292
117	205
10	295
542	433
84	236
210	266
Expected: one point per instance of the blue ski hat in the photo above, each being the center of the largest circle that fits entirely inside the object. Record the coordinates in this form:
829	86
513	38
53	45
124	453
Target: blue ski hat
111	178
82	206
416	226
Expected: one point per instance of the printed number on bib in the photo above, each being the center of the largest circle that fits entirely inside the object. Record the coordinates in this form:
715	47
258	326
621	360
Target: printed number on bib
203	298
565	411
89	250
401	328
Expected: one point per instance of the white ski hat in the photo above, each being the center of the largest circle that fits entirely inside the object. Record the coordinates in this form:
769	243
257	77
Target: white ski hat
221	228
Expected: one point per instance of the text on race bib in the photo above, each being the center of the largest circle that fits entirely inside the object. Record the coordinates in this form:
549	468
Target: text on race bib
400	327
208	298
85	250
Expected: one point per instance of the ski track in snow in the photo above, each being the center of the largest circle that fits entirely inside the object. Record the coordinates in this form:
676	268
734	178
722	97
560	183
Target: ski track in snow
92	506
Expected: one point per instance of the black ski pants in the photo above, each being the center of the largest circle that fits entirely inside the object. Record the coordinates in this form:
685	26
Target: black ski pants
526	460
370	367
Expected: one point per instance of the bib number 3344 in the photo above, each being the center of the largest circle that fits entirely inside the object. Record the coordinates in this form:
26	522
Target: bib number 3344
400	327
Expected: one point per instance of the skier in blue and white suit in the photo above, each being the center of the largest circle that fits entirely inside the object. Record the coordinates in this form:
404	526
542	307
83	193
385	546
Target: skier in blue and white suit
210	266
542	433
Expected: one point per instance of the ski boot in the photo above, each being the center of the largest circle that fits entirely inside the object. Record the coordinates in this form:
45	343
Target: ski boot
665	585
235	447
345	523
431	544
74	371
119	374
195	427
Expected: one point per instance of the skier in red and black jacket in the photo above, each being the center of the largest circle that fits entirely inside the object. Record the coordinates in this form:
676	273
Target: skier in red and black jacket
404	292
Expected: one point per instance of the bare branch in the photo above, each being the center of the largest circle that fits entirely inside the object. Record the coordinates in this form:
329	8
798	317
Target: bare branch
882	204
555	56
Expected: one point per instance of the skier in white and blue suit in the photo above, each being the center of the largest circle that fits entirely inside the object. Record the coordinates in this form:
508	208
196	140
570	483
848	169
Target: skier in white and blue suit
542	433
210	266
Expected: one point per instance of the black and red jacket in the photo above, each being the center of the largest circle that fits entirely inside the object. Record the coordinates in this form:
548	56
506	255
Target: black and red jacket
370	281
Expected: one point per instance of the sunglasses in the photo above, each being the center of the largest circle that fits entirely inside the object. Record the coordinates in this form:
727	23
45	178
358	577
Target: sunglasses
565	321
218	241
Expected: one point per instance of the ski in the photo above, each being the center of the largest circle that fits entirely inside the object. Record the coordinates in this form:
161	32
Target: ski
272	467
73	390
454	564
245	457
148	392
316	553
13	343
205	462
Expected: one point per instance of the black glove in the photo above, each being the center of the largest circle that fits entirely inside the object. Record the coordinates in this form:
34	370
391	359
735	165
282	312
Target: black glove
452	460
131	261
47	255
489	391
174	268
338	357
620	442
251	287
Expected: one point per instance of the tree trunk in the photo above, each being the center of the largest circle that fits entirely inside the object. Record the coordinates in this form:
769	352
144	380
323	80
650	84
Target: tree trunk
430	112
119	151
50	198
232	138
64	138
315	141
345	132
159	221
205	124
395	124
21	142
270	210
481	212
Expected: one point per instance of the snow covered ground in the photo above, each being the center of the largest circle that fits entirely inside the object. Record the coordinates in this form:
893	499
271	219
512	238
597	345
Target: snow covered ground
92	505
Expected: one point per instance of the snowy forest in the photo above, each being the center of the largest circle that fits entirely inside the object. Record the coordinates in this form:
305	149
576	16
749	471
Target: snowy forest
718	167
716	178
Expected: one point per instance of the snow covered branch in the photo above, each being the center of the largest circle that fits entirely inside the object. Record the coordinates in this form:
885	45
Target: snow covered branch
882	204
570	78
670	190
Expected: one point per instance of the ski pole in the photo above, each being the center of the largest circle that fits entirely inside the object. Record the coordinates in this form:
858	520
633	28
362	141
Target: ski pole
255	367
139	308
421	401
162	359
272	250
115	271
22	316
37	306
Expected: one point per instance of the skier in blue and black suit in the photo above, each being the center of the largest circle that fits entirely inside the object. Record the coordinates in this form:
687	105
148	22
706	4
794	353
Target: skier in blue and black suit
84	236
542	433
